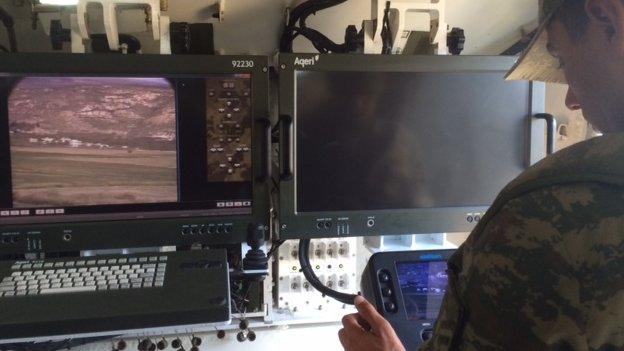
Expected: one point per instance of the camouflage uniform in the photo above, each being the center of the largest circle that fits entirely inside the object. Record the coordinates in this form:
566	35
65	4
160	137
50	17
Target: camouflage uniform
544	269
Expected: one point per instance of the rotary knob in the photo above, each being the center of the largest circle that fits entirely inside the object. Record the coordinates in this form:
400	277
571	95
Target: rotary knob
177	343
162	344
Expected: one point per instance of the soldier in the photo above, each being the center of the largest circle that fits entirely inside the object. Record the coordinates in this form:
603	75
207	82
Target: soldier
544	269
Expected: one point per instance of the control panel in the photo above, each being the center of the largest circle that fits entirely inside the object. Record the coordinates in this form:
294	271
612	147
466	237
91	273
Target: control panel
73	238
408	289
334	262
360	223
229	128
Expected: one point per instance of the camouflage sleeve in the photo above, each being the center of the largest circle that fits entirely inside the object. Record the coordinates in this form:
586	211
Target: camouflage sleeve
545	273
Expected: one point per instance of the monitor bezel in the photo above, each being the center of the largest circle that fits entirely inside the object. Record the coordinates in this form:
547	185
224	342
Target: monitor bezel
16	239
296	225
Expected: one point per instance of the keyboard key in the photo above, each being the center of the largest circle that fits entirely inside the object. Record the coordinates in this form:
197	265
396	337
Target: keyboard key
101	262
72	270
111	261
80	263
113	286
58	264
56	285
91	262
153	259
27	266
143	259
70	264
125	286
163	258
38	265
21	293
68	290
132	260
48	265
122	260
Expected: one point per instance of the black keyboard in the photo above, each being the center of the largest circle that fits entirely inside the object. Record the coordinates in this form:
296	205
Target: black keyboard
138	294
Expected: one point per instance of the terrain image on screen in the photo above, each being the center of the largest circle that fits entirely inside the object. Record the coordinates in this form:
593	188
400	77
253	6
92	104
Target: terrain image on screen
92	141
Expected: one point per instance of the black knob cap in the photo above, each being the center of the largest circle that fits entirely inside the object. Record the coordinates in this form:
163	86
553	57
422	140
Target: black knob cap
244	324
241	337
145	345
221	334
162	344
121	345
176	344
152	347
194	348
251	336
195	341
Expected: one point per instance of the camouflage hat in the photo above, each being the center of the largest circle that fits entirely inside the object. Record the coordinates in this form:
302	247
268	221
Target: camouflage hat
536	63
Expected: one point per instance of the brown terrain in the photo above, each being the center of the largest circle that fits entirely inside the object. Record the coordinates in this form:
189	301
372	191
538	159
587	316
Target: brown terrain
92	141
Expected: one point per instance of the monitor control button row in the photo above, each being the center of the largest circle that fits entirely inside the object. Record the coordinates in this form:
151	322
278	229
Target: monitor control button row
208	229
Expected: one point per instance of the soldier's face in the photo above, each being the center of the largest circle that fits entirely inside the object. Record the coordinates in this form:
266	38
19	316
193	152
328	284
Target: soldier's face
594	72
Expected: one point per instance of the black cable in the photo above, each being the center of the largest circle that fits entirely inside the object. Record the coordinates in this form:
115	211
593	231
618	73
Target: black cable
299	16
7	21
386	33
308	272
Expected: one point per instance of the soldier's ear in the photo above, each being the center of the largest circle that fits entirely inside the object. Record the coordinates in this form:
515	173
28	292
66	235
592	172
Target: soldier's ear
608	16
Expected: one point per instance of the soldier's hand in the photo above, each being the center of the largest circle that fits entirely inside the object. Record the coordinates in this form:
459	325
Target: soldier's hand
367	330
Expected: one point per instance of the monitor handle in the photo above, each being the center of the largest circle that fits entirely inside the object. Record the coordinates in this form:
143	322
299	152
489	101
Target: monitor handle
551	125
286	123
264	125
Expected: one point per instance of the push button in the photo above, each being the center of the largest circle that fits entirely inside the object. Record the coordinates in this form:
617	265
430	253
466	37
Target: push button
386	292
384	277
390	307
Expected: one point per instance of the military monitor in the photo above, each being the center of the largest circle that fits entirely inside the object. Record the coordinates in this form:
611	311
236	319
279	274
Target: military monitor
105	152
397	144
